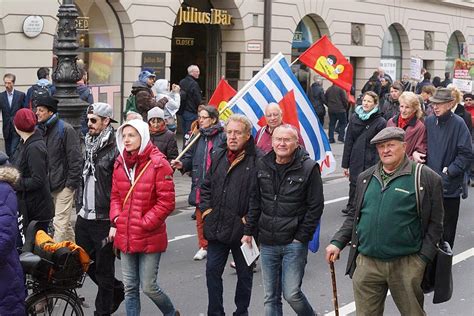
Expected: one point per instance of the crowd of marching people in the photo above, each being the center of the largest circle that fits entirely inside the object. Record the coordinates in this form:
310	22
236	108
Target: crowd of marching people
244	188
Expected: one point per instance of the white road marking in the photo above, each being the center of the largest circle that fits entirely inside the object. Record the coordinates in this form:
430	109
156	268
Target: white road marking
336	200
350	308
181	237
189	236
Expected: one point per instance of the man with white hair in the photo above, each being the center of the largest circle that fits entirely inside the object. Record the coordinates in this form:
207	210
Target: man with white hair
190	97
274	118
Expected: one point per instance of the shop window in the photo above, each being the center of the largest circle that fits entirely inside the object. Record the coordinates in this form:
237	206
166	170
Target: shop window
391	58
232	69
454	50
100	47
307	32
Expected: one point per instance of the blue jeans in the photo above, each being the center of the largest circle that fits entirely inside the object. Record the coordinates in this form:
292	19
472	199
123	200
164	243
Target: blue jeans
283	270
341	118
217	254
142	268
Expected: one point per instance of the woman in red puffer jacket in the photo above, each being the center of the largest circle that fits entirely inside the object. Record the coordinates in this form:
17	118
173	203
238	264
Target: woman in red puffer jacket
139	212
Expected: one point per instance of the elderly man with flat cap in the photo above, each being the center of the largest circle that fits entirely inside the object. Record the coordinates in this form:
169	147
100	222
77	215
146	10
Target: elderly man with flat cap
392	239
449	155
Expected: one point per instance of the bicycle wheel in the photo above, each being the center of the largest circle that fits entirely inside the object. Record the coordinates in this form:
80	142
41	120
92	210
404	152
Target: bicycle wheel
53	303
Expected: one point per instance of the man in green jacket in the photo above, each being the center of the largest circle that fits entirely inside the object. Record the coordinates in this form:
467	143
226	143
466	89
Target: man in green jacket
392	239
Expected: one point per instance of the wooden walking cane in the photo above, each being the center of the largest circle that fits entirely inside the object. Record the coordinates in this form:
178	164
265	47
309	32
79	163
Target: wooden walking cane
334	286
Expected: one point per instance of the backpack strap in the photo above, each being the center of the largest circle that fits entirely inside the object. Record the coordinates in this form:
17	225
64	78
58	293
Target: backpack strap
135	182
418	168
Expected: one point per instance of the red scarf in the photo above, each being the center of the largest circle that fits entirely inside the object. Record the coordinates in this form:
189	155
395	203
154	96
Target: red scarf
402	123
130	159
154	131
232	155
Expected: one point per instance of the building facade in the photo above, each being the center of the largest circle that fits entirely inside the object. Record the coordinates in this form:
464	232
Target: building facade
118	38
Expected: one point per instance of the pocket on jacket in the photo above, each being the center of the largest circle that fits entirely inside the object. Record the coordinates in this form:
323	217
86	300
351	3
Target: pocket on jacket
293	184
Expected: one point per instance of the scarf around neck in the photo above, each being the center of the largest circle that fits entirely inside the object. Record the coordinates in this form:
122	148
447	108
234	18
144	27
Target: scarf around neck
364	116
402	123
130	159
93	144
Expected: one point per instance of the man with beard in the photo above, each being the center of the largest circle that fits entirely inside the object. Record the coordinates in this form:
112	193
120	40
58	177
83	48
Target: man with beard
93	226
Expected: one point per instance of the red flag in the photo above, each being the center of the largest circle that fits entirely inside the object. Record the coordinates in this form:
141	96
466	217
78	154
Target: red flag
327	60
288	107
224	92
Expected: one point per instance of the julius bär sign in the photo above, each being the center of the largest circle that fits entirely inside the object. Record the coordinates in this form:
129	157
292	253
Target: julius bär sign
192	15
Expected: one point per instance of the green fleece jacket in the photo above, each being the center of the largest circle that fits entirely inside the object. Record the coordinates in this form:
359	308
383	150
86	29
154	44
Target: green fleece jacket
389	225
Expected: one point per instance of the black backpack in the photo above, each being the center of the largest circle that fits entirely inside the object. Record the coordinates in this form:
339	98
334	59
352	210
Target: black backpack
38	93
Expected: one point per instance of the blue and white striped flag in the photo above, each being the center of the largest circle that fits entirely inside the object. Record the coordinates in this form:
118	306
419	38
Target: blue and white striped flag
271	84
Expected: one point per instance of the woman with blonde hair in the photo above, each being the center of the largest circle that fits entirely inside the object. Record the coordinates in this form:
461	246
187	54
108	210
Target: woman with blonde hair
409	119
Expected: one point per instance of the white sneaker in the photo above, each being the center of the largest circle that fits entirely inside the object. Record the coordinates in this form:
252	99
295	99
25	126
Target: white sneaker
200	254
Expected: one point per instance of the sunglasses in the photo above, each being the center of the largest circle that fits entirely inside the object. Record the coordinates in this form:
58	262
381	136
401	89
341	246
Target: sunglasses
92	120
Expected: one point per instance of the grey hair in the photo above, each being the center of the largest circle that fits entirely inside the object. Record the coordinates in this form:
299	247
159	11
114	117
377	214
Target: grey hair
290	127
240	119
191	68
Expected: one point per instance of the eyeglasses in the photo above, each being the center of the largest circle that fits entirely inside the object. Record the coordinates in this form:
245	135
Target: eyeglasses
203	117
282	140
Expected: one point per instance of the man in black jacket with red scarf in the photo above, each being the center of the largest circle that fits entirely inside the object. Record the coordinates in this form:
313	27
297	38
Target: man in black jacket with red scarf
225	196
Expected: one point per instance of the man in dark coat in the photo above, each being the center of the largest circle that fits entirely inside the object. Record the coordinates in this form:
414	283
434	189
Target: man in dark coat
64	164
446	80
93	224
382	255
426	82
43	83
190	97
11	101
225	196
449	154
144	98
318	99
336	100
284	213
391	106
31	159
12	289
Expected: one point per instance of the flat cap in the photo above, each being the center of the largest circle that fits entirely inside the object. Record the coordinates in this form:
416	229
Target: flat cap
389	133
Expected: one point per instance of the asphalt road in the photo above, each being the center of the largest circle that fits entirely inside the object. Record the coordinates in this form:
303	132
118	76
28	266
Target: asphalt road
184	280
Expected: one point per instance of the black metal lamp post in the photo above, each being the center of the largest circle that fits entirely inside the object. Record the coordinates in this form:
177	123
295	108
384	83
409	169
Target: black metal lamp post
66	73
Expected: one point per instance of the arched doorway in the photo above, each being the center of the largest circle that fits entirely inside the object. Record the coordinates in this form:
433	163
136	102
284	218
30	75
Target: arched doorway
392	56
100	40
454	50
309	30
196	42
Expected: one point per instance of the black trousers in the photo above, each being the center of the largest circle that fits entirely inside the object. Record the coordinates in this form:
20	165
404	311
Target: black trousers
89	235
451	215
217	254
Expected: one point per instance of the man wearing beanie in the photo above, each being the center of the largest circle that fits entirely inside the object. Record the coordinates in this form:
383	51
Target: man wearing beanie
160	135
64	164
30	158
144	98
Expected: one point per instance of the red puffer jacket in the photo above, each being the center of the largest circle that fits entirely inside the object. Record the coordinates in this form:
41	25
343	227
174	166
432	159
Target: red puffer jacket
141	222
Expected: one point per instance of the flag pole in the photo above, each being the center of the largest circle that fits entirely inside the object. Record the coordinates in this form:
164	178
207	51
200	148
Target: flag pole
294	61
231	102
